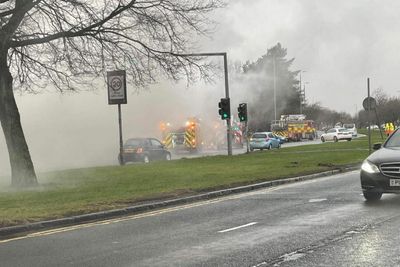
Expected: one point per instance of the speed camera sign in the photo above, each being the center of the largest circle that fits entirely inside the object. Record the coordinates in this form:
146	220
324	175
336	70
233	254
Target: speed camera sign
116	81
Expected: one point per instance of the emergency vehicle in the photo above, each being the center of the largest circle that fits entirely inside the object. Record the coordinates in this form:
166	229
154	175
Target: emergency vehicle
294	127
186	138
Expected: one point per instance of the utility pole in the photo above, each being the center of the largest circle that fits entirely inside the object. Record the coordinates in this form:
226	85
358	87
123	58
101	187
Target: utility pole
274	67
369	118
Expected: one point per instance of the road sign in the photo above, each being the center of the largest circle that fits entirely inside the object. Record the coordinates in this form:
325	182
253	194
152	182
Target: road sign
116	84
369	103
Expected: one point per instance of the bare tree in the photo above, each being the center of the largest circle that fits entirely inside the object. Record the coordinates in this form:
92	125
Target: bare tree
69	43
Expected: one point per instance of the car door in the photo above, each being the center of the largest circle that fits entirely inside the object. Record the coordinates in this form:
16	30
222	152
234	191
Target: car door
157	149
274	140
330	134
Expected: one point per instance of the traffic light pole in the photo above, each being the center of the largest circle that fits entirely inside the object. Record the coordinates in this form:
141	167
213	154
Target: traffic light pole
228	121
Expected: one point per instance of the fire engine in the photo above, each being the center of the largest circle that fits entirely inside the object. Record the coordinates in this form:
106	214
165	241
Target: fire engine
186	138
294	127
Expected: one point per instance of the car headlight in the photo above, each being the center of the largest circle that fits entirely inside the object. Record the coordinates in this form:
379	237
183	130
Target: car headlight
369	167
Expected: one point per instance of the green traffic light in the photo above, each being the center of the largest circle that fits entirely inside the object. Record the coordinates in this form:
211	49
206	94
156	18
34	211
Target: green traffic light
225	115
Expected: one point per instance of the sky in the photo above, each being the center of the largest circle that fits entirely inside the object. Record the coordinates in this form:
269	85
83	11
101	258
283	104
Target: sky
338	44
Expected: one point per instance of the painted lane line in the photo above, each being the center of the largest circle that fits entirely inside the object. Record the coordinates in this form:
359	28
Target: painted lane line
237	227
317	200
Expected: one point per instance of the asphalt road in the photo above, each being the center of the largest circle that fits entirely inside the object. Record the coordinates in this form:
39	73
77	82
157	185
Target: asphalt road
322	222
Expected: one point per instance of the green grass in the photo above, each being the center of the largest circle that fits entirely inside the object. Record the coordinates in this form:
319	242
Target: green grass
80	191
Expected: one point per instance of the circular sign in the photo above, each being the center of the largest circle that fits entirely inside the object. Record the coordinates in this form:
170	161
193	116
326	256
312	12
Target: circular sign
116	83
369	103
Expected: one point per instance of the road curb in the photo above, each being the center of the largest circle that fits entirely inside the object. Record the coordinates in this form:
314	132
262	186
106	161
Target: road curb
85	218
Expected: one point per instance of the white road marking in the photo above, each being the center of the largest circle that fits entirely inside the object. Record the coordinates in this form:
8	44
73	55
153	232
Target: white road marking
317	200
237	227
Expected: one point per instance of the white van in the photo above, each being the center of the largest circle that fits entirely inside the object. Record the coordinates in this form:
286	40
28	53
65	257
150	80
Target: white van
351	127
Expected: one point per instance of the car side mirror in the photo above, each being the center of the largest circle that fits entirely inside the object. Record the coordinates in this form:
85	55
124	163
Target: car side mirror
376	146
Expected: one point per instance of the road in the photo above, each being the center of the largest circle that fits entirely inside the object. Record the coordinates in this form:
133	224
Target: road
322	222
236	151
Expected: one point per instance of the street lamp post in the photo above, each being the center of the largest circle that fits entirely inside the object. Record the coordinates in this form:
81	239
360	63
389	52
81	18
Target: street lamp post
302	92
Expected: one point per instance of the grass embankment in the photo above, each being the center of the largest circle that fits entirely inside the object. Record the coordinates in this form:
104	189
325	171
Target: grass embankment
80	191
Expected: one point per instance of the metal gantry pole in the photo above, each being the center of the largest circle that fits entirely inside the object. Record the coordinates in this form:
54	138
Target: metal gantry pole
228	121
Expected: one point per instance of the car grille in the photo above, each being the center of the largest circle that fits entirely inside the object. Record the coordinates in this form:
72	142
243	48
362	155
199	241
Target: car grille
391	169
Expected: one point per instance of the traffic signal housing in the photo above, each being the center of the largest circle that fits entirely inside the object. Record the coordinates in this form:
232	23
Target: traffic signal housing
242	112
224	108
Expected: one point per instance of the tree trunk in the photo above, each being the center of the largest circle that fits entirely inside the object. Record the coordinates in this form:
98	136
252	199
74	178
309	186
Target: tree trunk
22	170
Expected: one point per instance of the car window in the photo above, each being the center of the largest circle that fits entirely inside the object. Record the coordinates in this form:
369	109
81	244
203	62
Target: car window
270	135
394	140
155	143
342	130
146	143
259	135
348	126
332	131
134	142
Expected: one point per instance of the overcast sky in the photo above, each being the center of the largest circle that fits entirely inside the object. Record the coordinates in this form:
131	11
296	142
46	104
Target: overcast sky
338	43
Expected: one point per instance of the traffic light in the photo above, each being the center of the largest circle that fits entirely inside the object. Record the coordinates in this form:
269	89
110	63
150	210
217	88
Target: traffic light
242	112
224	108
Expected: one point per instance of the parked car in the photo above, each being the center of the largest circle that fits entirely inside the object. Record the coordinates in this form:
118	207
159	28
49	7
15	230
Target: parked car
264	140
336	134
380	172
373	127
352	128
143	150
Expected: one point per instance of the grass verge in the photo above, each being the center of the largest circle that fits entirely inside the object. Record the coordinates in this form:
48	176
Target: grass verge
79	191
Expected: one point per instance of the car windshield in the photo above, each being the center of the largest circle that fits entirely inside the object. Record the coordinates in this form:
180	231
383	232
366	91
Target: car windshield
259	135
394	140
348	126
134	142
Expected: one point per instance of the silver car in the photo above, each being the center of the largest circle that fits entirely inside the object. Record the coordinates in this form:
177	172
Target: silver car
336	134
264	140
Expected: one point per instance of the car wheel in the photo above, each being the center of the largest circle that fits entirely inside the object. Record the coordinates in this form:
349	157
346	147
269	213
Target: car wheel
270	146
349	139
335	139
261	149
372	196
279	145
322	139
146	159
168	156
251	149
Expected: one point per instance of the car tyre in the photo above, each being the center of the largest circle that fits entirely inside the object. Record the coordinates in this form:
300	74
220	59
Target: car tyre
335	139
372	196
146	159
322	139
270	146
251	149
279	145
349	139
168	156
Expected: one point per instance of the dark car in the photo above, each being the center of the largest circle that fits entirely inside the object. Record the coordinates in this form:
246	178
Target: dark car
380	172
143	150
